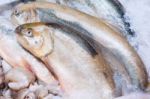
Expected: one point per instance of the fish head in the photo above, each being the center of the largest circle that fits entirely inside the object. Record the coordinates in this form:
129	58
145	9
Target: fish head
37	38
22	16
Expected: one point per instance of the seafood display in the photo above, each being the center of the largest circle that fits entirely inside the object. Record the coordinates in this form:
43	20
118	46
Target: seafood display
109	10
56	49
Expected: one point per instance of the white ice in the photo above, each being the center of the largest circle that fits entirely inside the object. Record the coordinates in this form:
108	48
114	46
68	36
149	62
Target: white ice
138	14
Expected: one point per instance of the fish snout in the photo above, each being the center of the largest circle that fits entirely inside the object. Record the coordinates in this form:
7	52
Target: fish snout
19	29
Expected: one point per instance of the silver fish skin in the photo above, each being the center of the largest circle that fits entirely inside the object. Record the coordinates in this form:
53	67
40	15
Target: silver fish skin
112	11
98	34
81	75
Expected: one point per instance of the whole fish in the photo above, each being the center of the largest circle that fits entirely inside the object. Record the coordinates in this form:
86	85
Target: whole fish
82	73
120	75
16	56
97	33
28	16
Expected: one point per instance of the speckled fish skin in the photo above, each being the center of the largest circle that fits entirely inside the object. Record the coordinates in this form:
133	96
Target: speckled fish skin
111	11
98	34
81	72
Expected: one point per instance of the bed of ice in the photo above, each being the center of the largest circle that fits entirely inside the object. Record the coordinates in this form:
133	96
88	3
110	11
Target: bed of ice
138	14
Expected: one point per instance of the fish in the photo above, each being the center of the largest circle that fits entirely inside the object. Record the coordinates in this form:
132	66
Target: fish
97	33
16	56
82	72
119	72
112	11
30	15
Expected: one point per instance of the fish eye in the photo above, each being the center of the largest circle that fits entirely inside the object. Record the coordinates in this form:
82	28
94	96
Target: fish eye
28	33
17	13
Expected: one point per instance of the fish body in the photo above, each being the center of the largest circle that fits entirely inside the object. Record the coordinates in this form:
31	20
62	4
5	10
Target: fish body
97	33
112	11
81	72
